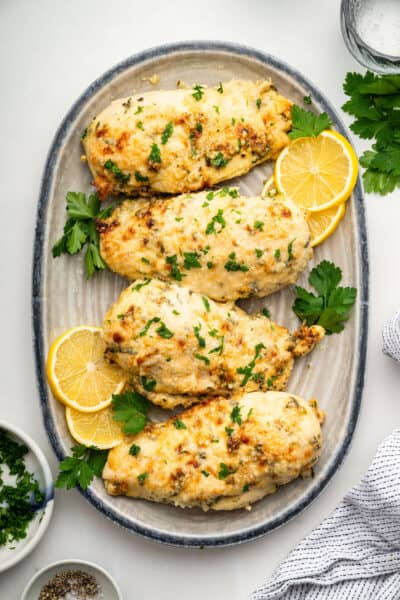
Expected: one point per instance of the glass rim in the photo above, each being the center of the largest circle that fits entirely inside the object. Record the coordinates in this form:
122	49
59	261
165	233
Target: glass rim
345	6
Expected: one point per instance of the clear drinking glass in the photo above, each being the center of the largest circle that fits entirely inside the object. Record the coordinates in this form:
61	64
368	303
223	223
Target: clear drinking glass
371	30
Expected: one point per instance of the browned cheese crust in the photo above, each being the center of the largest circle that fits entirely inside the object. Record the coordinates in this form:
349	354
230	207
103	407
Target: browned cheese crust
218	243
181	140
180	347
225	453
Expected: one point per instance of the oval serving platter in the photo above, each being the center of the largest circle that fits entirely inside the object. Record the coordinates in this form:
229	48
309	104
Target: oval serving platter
62	297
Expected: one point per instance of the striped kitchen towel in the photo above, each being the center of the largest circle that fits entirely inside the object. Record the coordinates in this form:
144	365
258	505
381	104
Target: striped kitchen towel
355	553
391	338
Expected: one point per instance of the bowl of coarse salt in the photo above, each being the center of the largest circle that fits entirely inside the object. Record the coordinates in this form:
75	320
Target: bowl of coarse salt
72	580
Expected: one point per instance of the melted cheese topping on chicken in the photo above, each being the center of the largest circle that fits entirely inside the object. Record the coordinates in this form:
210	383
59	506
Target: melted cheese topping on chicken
224	454
217	243
180	346
187	139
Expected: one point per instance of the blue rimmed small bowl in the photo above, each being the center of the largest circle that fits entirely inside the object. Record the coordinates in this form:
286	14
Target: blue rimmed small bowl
36	463
108	586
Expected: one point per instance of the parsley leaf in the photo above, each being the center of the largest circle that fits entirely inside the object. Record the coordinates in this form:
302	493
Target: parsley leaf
131	409
233	265
116	171
247	371
155	154
191	260
178	424
307	124
80	229
166	134
198	92
219	161
175	272
236	417
80	468
224	471
374	102
218	218
331	309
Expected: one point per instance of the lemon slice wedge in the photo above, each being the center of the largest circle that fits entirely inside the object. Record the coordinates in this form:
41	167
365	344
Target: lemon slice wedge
78	373
94	429
317	173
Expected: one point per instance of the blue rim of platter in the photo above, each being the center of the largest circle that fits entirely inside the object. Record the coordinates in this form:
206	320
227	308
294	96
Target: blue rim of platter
37	282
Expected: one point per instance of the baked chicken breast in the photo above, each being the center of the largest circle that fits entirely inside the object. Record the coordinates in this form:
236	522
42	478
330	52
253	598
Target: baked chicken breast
181	347
218	243
185	140
225	453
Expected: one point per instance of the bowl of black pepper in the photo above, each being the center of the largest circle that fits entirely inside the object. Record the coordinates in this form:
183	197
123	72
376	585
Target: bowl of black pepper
72	580
26	495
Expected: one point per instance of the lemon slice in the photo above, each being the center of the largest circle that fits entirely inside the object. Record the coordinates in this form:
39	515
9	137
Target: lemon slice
78	373
317	172
94	429
323	223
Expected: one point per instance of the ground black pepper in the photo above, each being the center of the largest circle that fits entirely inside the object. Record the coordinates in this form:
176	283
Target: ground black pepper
75	584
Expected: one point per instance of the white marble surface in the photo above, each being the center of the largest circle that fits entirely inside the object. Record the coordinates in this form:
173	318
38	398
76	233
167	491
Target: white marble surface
50	51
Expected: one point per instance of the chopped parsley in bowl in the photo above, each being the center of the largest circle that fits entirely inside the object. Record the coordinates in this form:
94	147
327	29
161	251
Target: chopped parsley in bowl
26	495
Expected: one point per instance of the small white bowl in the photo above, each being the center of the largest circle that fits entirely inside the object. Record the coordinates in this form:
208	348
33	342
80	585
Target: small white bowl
107	584
36	464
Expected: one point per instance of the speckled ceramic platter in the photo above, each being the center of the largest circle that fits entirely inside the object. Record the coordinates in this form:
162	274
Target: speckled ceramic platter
63	298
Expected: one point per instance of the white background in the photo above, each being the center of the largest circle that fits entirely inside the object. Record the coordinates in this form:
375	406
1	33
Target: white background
50	51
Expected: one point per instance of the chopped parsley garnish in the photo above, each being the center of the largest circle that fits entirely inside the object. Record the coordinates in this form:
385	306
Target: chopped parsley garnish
210	196
217	219
155	154
266	312
200	339
141	178
116	171
142	477
247	371
259	225
224	471
277	254
164	332
233	265
205	359
80	229
220	88
145	260
206	303
148	384
210	264
148	325
191	260
166	134
205	473
178	424
19	499
198	92
138	110
331	308
229	431
216	108
246	487
258	103
84	134
175	272
139	125
290	250
134	450
80	468
259	252
139	286
130	408
218	349
236	417
307	124
307	100
199	127
219	161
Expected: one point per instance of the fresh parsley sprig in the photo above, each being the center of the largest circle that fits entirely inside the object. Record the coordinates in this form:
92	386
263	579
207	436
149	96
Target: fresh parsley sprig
130	408
375	103
80	230
306	124
331	308
80	468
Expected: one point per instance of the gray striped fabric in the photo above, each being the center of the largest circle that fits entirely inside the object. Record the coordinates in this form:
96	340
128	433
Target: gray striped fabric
355	553
391	337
